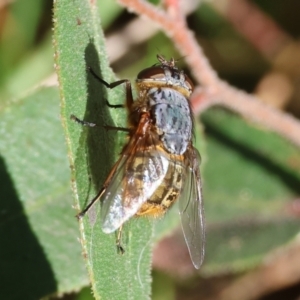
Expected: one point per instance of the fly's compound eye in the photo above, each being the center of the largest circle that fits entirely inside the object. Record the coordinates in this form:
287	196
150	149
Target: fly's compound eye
189	83
155	73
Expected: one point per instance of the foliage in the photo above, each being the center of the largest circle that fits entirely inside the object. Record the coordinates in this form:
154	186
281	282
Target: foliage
250	176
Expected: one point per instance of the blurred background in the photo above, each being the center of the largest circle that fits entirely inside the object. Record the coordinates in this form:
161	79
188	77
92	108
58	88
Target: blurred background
251	177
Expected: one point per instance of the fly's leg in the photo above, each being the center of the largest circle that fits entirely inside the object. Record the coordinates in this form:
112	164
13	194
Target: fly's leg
129	101
102	190
129	97
81	122
107	127
120	248
93	201
100	193
114	105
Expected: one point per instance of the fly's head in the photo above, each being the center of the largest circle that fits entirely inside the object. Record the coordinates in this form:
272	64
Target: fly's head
165	74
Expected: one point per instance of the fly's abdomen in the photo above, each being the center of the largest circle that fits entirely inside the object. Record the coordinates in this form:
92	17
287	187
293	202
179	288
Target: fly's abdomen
171	113
168	191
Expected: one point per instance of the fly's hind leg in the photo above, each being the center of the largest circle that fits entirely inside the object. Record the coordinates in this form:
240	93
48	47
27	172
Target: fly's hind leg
93	201
120	248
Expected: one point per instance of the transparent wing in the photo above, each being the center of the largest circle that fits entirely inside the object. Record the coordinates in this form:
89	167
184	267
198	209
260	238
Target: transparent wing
191	210
138	173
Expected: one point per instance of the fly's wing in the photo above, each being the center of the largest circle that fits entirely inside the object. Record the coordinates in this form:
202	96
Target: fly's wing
139	172
191	210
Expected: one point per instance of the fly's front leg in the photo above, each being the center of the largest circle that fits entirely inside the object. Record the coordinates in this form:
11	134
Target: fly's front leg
129	97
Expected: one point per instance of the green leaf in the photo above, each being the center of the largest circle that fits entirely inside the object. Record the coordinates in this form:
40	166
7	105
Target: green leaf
79	44
251	177
22	78
38	230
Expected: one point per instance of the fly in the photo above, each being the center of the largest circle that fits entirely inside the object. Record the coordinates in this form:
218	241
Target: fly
159	165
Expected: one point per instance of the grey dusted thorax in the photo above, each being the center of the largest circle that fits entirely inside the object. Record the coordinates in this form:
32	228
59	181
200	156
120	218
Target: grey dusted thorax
172	115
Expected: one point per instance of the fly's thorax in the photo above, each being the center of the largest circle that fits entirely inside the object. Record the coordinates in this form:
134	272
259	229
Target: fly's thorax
171	114
165	90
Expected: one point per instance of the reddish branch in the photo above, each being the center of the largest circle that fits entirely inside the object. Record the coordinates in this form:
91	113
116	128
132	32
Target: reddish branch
214	91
